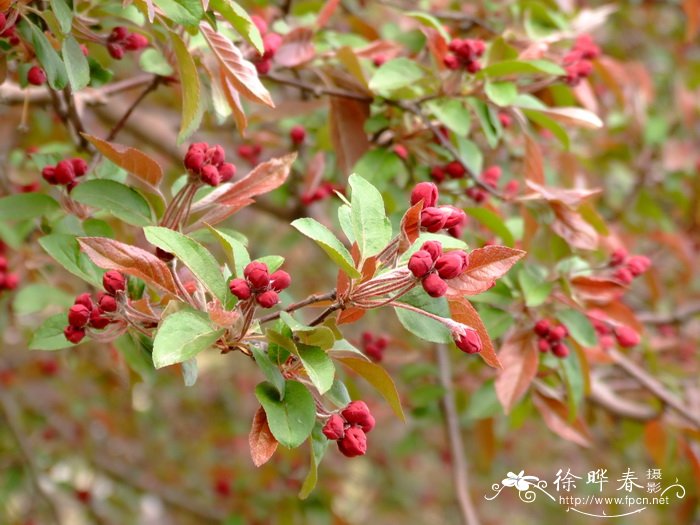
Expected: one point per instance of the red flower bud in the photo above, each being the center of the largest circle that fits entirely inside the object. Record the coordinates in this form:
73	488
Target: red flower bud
36	76
420	263
449	265
85	300
3	263
505	119
492	175
97	320
450	61
606	341
118	34
638	264
80	167
297	134
263	66
78	315
108	303
374	352
210	175
11	281
558	333
194	160
227	171
437	174
240	288
216	155
618	257
334	427
400	151
473	67
543	345
379	60
113	282
425	191
624	275
354	443
268	299
626	337
271	43
116	51
542	328
434	285
257	275
64	173
280	280
259	23
476	194
560	350
202	147
455	169
357	413
455	216
74	334
433	219
135	41
469	342
434	248
49	174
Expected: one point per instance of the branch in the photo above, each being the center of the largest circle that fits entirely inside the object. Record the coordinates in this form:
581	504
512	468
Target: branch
318	91
301	304
454	436
119	125
681	314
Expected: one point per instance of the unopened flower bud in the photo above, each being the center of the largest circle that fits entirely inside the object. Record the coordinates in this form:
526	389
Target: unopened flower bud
97	320
626	337
64	173
470	342
433	219
268	299
210	175
78	315
434	286
227	171
74	334
334	428
297	134
357	413
354	443
434	248
542	328
107	303
455	170
280	280
240	288
113	282
80	167
135	41
257	274
560	350
638	264
420	263
425	191
449	265
85	300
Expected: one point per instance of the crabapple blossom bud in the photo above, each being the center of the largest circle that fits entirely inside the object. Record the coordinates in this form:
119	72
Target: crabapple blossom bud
107	303
263	67
36	76
434	248
626	337
210	175
455	217
638	264
433	219
118	34
455	170
425	191
113	282
354	443
618	257
542	328
85	300
474	66
560	350
434	286
470	342
11	281
257	274
280	280
271	43
624	275
357	413
450	61
558	333
97	320
476	194
194	160
80	167
334	428
505	119
227	171
78	315
49	174
543	345
64	173
268	299
74	334
239	288
216	155
420	263
492	175
449	265
116	51
3	263
198	146
135	41
379	60
400	151
297	134
437	174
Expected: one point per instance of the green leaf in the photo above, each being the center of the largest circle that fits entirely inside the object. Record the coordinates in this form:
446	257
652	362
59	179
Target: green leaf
318	366
501	93
420	325
518	67
240	20
63	13
330	244
319	444
185	12
381	165
234	249
291	419
452	113
269	369
193	255
395	74
535	288
120	200
134	350
45	53
49	336
370	225
181	336
190	86
379	379
484	403
26	206
77	66
471	154
580	328
34	298
489	122
575	382
338	394
66	251
549	123
153	61
493	222
430	21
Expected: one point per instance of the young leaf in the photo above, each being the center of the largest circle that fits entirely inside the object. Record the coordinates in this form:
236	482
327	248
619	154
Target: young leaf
452	113
556	417
379	379
501	93
318	366
241	22
63	13
463	312
579	326
49	336
77	66
522	67
485	266
261	441
370	225
319	444
66	251
123	202
190	88
519	357
46	54
328	242
132	160
235	250
269	369
181	336
183	12
23	206
292	419
395	74
420	325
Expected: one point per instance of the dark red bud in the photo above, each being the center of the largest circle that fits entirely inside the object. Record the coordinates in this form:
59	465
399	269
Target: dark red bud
240	288
626	337
210	175
420	263
638	264
194	160
542	328
449	265
357	413
135	41
268	299
434	248
257	274
108	303
280	280
74	334
78	315
49	174
455	170
80	167
216	155
560	350
85	300
36	76
113	282
64	173
354	443
470	342
334	428
97	320
425	191
116	51
227	171
297	134
434	285
433	219
118	34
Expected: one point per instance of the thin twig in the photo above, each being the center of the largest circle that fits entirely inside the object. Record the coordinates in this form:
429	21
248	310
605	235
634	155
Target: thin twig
312	299
682	313
328	311
318	91
459	465
119	125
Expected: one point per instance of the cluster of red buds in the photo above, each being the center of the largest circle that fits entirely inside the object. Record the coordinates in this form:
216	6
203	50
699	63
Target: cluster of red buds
8	31
577	62
433	267
65	172
374	345
36	76
435	218
464	53
625	336
250	152
349	428
260	284
628	266
323	191
8	280
453	170
209	163
297	135
551	338
271	43
85	313
120	41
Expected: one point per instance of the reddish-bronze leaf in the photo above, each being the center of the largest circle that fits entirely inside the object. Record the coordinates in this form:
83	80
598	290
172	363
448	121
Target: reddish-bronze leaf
326	12
132	160
114	255
436	44
519	358
410	227
347	123
692	13
234	101
350	315
262	443
568	197
597	289
216	214
556	417
534	164
619	314
240	72
571	226
485	266
297	47
462	311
